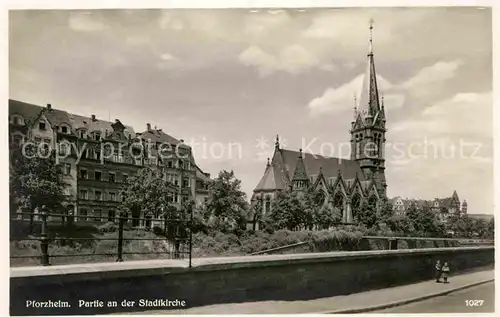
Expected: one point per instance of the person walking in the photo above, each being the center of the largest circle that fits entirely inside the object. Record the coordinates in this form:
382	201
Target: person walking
445	272
438	271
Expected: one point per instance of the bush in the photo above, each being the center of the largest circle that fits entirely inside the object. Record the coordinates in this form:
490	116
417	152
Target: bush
158	231
108	227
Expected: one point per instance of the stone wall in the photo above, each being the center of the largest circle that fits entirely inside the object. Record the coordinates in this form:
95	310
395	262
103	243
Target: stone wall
239	279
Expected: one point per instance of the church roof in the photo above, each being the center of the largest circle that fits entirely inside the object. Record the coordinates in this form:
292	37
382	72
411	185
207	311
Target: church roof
272	179
330	165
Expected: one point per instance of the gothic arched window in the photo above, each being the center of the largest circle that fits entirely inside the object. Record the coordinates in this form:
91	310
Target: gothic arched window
267	207
320	198
355	204
338	202
372	201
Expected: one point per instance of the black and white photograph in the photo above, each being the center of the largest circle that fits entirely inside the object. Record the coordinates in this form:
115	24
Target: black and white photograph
251	160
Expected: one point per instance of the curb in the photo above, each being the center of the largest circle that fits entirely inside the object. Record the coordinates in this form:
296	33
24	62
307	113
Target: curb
404	301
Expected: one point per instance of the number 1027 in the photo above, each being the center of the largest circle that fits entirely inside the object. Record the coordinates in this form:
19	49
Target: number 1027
474	302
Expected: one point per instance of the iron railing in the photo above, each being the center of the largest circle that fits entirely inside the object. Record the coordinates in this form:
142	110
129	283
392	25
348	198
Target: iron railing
173	233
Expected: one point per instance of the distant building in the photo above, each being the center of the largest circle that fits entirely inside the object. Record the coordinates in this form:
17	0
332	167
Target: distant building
442	207
346	184
95	181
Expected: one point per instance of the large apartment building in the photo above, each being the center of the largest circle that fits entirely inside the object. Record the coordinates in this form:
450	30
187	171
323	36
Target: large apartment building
97	156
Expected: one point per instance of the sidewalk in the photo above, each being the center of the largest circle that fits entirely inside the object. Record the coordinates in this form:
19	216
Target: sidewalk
342	304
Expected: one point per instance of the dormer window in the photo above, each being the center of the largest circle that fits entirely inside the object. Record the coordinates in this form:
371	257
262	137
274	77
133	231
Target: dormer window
97	136
64	129
17	120
82	134
42	125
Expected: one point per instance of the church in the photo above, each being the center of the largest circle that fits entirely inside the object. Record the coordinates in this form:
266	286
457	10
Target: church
346	184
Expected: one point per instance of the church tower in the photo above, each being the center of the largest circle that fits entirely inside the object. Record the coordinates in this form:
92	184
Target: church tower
368	127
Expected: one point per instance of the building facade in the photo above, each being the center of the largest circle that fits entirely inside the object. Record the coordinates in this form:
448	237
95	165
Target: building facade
347	184
443	208
97	157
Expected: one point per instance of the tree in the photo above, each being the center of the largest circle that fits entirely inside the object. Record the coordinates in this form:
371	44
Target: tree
200	219
326	217
256	212
425	222
490	229
149	191
35	181
316	213
227	202
367	214
400	225
287	211
386	211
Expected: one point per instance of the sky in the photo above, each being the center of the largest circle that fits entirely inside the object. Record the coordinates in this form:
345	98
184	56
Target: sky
227	81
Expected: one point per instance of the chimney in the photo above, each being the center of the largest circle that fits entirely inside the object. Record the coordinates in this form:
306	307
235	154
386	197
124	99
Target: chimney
49	106
93	117
149	126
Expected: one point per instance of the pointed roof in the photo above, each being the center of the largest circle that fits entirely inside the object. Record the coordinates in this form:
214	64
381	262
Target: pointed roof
330	165
300	173
369	100
271	180
319	177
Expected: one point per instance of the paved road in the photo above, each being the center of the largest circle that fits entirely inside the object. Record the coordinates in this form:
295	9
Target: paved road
452	303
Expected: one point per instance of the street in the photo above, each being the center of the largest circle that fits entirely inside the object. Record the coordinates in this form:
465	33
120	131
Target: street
452	303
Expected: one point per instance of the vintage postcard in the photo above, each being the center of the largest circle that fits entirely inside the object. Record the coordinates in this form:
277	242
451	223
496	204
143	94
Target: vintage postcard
251	160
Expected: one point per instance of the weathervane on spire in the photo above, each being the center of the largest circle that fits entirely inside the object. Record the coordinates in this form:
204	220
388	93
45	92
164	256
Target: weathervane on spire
355	107
371	36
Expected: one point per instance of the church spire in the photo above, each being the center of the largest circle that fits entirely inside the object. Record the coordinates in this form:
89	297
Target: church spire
277	143
300	178
369	95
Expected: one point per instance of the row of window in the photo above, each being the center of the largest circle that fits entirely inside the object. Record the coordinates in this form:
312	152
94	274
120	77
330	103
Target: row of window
99	176
98	195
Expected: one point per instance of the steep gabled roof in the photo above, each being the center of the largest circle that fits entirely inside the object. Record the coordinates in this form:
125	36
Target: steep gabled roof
330	165
272	180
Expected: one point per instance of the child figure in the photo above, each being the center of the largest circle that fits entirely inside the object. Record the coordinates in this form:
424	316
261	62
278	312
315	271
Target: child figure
438	271
446	271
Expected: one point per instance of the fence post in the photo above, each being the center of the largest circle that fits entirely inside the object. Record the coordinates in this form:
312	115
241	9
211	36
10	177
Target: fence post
191	235
165	225
393	244
44	240
120	237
